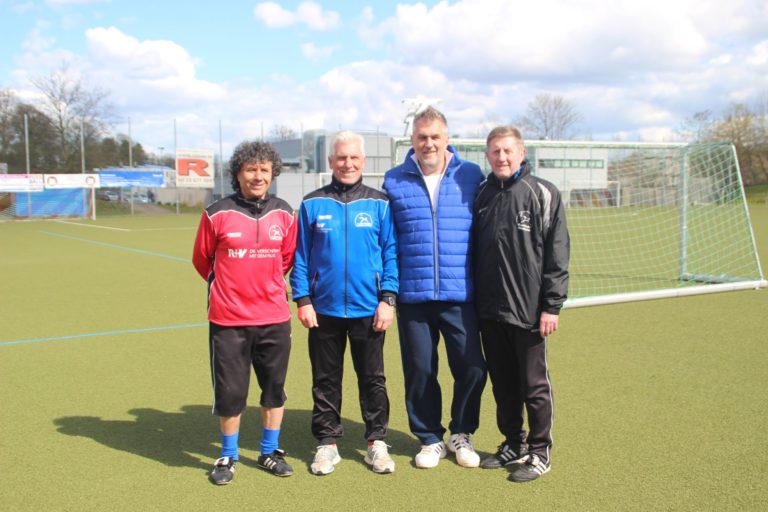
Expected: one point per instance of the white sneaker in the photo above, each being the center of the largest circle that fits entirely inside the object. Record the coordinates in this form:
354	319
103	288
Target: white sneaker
326	458
461	445
378	458
430	455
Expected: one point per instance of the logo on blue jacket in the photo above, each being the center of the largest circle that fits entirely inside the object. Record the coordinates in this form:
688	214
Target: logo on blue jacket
363	220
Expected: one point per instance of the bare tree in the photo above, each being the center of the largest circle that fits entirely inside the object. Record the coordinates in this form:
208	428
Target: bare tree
550	117
743	128
68	103
7	108
697	127
282	132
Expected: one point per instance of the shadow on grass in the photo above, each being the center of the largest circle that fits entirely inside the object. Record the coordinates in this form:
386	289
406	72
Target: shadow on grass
180	438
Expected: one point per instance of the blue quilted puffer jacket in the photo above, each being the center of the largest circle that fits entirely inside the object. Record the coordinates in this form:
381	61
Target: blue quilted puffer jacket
434	250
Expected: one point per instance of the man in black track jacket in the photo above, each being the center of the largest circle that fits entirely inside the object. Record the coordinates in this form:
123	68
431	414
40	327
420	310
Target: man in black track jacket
521	248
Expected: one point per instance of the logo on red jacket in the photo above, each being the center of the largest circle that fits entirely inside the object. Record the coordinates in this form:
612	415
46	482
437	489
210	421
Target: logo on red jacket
275	232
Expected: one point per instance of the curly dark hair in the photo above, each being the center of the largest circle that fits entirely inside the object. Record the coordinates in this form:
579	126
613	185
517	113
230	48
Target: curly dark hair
252	151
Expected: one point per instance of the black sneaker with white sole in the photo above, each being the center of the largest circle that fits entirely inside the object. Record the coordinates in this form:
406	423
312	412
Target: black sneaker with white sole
532	468
505	455
275	463
223	470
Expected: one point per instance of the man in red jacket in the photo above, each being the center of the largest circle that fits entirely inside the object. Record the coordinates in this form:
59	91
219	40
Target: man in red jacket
243	249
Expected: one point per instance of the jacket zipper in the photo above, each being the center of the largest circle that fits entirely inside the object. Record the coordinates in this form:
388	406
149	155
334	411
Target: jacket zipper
346	254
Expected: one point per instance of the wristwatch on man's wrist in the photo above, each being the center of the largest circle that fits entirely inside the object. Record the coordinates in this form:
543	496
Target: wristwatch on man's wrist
389	299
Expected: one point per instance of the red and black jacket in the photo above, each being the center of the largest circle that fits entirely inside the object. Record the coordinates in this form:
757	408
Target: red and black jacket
244	248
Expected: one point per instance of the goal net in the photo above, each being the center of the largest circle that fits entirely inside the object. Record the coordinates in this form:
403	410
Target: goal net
646	220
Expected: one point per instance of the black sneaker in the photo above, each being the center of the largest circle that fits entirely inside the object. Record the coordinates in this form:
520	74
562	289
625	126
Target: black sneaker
223	471
275	463
504	456
532	468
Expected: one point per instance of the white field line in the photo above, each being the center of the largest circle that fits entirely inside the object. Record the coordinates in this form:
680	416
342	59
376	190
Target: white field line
89	225
124	229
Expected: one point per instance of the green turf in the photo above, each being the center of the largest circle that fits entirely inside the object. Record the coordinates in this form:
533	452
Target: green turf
660	405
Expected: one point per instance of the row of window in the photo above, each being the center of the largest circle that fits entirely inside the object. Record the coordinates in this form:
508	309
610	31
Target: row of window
572	163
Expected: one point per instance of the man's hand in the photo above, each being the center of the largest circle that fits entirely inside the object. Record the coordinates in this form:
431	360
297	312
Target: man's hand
307	316
383	317
548	323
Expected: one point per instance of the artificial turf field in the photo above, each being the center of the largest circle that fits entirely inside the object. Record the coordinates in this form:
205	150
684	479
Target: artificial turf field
105	395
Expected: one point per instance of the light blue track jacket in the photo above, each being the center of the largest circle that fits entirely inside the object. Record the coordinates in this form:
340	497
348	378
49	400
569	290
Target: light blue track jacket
346	255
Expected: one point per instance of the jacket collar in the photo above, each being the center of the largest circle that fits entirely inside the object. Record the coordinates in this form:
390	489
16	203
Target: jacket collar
341	187
524	170
253	205
453	163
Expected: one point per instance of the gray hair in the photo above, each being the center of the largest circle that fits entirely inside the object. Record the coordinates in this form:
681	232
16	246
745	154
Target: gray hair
505	131
346	137
430	114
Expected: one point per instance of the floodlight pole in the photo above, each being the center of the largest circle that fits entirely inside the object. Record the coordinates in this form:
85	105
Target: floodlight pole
26	148
221	164
26	141
176	164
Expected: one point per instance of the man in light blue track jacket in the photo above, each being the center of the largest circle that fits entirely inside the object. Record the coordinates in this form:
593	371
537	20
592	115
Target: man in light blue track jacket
345	282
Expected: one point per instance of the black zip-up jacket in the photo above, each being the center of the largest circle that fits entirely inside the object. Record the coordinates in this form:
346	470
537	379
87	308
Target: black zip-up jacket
521	249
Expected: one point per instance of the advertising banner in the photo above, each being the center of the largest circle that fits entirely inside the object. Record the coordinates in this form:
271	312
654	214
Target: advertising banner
72	181
194	168
21	182
127	179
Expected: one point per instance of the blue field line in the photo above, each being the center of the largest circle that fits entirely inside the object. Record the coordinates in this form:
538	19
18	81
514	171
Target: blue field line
107	333
114	246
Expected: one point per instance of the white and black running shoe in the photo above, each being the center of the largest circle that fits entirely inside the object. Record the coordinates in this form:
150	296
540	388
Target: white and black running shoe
223	471
505	455
532	468
275	463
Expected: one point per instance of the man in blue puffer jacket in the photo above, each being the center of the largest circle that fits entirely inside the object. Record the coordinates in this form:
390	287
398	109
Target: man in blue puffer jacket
431	195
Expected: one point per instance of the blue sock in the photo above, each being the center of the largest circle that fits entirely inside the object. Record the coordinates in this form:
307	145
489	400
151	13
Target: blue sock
269	439
229	445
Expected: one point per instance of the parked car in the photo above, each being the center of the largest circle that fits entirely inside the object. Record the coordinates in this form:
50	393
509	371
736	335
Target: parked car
107	195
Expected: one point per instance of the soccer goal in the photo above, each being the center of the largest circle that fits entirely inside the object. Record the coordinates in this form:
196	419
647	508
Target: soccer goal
646	220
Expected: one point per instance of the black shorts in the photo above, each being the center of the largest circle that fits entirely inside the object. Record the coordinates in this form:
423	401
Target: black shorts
233	350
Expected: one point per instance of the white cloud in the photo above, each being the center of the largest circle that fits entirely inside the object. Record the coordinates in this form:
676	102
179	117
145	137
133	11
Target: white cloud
759	55
315	54
721	60
310	14
273	15
152	66
38	40
635	70
498	41
21	8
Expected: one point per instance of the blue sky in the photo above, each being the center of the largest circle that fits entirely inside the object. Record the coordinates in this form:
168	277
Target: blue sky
634	70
